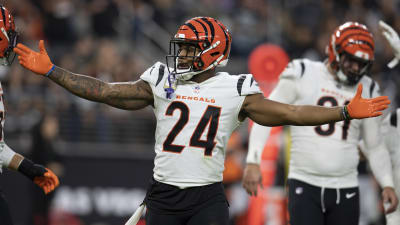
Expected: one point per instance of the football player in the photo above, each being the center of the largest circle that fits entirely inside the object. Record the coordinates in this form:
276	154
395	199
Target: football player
40	175
322	179
196	109
391	126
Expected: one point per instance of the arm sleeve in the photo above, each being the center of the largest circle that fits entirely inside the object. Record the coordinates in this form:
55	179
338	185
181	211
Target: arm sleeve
376	152
6	154
374	147
284	92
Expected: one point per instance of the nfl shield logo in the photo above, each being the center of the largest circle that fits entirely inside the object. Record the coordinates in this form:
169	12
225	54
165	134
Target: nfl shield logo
196	89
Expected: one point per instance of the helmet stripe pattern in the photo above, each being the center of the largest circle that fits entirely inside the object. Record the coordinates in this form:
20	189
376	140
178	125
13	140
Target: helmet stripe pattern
226	37
356	31
3	13
193	29
204	27
8	37
211	28
351	41
209	36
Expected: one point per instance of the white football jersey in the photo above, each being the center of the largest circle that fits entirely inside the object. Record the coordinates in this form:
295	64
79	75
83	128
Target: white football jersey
391	134
193	127
2	114
324	155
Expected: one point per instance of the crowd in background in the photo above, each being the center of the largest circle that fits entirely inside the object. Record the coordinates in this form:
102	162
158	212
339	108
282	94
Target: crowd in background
116	40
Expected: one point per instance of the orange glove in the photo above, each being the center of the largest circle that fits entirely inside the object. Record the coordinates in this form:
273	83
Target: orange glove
48	182
41	176
360	108
37	62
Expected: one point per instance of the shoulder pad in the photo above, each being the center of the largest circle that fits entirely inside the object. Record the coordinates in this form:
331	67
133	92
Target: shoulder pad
155	74
247	85
390	121
370	87
294	70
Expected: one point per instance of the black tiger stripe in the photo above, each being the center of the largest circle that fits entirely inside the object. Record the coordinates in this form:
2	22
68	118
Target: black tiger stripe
303	68
204	27
361	30
4	15
239	85
393	119
371	89
251	81
346	37
226	37
363	41
161	72
211	28
193	28
152	68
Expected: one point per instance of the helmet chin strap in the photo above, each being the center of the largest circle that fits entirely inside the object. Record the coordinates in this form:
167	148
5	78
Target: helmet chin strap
183	75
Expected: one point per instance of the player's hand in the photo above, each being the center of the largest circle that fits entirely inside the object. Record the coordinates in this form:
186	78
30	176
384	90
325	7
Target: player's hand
252	178
390	200
48	181
360	108
40	175
37	62
394	41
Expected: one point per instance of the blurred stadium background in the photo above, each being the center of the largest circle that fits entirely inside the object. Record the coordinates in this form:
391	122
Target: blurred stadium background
103	155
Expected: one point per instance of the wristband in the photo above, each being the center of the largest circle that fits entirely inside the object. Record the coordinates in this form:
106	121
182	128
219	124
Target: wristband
31	170
50	71
345	113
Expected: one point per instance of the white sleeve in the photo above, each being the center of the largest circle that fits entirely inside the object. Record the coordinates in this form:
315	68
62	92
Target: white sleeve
284	92
247	85
376	152
6	154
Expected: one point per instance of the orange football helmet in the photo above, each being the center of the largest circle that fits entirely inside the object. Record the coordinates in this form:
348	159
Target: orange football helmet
209	36
353	41
8	37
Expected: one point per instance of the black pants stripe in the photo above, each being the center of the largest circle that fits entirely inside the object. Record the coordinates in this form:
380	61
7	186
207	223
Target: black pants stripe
314	205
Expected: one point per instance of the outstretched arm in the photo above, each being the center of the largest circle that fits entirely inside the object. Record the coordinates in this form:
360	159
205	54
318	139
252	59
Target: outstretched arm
126	95
270	113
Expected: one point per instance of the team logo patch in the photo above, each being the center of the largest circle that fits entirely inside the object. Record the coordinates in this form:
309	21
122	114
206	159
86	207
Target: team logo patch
196	89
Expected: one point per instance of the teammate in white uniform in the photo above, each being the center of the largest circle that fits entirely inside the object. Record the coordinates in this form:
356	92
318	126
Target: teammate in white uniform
391	126
323	184
41	176
196	109
391	134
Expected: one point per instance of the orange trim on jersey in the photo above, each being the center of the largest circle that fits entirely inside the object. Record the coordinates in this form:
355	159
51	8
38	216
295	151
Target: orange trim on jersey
337	94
